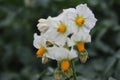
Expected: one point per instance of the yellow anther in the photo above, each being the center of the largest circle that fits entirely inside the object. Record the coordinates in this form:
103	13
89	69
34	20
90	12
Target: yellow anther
80	46
65	65
41	51
80	21
61	28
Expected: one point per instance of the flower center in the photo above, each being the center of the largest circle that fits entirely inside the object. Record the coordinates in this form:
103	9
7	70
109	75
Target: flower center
41	51
61	28
80	21
65	65
80	46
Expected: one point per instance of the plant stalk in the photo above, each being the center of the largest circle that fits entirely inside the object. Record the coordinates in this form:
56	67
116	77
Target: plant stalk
74	71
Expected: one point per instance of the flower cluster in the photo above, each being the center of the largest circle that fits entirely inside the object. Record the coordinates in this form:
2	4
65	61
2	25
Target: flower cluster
63	37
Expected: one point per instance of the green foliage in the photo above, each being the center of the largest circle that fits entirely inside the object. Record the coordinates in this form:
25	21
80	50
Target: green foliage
18	20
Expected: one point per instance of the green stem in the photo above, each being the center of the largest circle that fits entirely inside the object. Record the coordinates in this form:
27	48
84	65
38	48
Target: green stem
74	72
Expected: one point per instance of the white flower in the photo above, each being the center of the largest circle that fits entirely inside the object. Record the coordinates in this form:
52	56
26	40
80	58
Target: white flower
81	36
79	39
64	56
58	30
60	53
81	18
40	43
42	25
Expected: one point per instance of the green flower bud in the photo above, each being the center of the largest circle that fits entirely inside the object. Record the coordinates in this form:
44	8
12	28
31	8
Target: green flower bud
83	56
58	74
69	73
44	59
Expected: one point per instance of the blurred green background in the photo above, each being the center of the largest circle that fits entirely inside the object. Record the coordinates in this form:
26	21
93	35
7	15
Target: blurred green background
18	20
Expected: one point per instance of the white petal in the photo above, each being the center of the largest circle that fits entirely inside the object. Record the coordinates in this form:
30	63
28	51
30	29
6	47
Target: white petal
51	53
90	22
69	18
84	29
63	53
83	36
75	37
73	54
60	39
74	27
60	53
70	42
83	10
50	34
42	20
69	13
42	27
88	39
37	41
53	22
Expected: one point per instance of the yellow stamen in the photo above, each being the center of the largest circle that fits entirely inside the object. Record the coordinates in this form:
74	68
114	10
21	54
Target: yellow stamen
65	65
80	46
61	28
80	21
41	51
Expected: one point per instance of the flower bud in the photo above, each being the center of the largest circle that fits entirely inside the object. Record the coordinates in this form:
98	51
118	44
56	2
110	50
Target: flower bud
44	59
42	25
58	74
83	56
42	20
69	73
